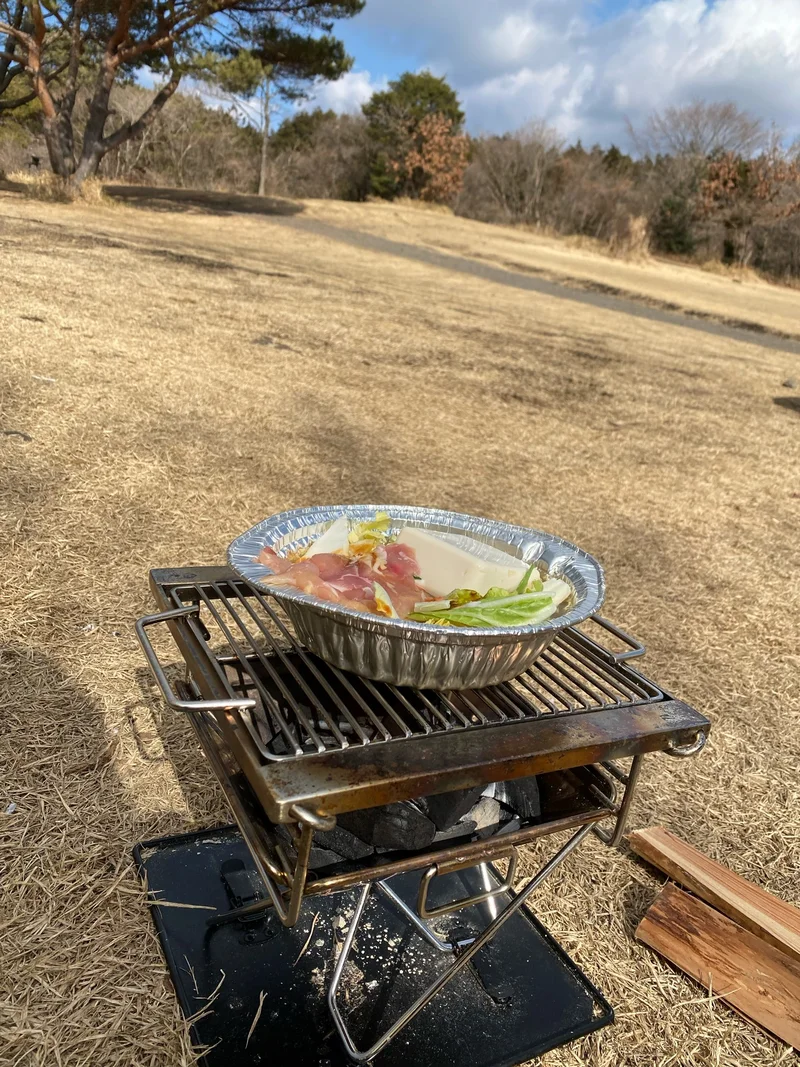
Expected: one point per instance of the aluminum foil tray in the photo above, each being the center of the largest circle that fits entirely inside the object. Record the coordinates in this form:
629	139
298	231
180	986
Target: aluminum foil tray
416	653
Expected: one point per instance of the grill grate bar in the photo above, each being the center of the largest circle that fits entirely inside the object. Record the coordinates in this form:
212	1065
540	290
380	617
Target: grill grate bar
602	678
587	651
423	724
309	665
526	680
268	700
279	652
426	700
455	710
557	681
324	715
372	688
306	706
520	705
476	711
556	658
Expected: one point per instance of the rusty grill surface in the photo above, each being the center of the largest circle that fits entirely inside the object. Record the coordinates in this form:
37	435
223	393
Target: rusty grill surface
306	707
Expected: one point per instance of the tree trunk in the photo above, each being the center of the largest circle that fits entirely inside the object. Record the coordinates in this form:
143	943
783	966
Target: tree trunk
94	148
60	148
95	143
262	172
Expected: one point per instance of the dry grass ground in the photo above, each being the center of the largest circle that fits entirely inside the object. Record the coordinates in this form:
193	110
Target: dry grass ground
179	376
577	261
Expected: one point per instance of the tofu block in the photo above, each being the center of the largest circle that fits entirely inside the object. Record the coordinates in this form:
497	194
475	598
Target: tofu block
333	540
443	566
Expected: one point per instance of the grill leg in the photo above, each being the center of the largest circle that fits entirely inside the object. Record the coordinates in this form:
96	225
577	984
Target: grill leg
613	837
461	960
421	926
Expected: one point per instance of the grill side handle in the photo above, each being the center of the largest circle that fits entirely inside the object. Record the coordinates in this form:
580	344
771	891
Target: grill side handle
635	647
175	702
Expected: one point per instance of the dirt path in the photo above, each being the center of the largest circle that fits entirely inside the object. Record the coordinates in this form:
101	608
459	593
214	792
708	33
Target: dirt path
628	303
514	274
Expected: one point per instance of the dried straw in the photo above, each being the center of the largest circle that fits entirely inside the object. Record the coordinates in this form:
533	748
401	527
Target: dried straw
209	371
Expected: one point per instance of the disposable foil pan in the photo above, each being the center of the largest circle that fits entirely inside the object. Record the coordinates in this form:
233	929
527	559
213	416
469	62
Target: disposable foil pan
414	653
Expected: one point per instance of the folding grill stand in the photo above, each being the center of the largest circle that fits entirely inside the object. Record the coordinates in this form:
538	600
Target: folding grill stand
470	948
687	736
462	950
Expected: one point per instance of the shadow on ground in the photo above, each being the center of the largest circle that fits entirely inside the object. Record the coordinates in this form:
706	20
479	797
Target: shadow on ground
164	199
791	403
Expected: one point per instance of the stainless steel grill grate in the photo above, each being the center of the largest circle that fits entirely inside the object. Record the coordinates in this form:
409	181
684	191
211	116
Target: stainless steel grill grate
304	706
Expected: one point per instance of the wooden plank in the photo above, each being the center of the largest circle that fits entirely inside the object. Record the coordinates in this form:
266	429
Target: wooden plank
750	975
765	915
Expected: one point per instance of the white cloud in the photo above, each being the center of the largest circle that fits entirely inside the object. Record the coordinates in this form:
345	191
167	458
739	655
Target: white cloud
515	60
347	94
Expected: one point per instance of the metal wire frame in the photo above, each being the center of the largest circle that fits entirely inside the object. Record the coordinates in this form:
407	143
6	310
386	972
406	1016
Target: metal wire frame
264	669
289	881
462	958
293	705
608	777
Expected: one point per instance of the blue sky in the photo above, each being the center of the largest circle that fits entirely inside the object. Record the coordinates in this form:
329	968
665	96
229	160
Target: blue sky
585	66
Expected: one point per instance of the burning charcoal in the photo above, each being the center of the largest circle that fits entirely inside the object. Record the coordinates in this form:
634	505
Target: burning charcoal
521	796
463	828
447	808
392	826
486	816
347	845
511	826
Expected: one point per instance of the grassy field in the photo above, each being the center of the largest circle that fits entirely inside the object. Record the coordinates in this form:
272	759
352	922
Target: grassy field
178	375
711	291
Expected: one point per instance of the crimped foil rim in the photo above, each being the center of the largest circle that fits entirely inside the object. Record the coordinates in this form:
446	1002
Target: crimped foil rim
576	564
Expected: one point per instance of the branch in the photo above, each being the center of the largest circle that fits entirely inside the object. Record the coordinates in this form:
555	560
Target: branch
33	61
40	30
73	63
158	43
19	101
11	45
129	130
120	34
13	31
182	21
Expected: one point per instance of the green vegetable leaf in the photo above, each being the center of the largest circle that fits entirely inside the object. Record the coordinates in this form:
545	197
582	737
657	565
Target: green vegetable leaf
523	585
517	610
374	532
496	592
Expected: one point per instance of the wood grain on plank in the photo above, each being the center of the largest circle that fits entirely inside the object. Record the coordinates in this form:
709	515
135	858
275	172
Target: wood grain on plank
750	975
765	915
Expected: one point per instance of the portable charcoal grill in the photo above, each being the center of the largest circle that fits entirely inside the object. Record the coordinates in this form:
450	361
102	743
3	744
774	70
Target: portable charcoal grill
338	782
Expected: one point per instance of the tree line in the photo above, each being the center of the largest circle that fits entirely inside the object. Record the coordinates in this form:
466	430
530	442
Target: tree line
704	180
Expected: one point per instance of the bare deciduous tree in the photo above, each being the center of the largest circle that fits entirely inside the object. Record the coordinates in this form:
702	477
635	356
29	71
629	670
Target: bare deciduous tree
516	168
700	129
188	145
331	160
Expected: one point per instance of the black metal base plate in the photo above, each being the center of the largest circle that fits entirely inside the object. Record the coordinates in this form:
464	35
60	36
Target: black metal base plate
520	996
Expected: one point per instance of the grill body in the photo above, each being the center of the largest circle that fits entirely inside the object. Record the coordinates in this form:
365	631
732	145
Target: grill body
296	742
